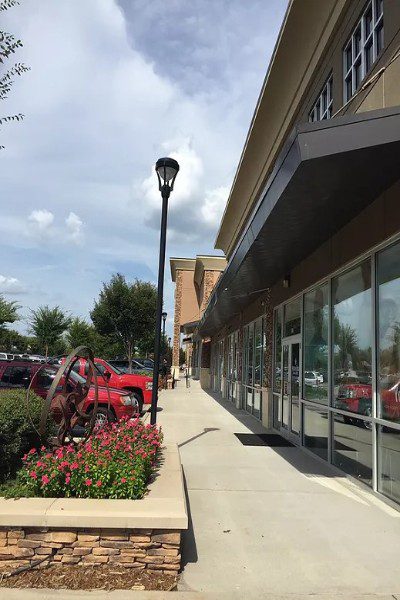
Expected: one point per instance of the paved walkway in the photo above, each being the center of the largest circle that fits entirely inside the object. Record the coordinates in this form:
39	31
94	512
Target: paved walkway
266	523
273	520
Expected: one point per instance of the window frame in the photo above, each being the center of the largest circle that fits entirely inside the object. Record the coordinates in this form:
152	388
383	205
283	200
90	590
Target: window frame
358	45
316	113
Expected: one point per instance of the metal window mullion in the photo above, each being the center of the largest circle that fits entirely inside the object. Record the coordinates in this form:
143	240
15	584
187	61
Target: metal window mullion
363	45
330	371
374	358
373	31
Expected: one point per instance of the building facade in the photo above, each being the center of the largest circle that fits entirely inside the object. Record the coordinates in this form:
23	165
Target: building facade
195	279
304	323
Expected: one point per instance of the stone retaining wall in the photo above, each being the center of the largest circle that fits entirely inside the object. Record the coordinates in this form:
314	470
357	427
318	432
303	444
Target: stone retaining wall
151	549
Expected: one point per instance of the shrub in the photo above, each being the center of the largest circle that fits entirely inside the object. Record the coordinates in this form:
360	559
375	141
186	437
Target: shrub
116	462
17	433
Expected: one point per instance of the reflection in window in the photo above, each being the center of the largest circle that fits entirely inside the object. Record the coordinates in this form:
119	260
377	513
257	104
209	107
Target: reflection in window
316	319
352	340
389	333
292	317
278	351
352	447
316	431
389	462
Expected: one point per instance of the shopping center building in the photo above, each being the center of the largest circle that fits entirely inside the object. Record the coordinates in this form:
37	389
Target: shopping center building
304	323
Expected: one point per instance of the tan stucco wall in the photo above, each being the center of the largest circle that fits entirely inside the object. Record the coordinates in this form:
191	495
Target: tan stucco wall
310	48
190	308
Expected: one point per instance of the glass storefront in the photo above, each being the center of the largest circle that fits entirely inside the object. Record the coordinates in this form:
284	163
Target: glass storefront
232	366
352	340
347	376
253	361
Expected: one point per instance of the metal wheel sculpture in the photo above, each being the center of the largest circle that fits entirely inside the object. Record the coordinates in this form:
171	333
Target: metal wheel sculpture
65	399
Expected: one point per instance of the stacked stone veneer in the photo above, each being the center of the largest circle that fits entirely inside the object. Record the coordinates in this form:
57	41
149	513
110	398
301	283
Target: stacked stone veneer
150	549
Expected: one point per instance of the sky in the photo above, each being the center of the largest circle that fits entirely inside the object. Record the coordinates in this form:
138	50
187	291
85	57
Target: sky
114	85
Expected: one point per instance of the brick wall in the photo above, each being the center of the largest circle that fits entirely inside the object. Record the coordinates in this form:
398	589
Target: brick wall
150	549
177	318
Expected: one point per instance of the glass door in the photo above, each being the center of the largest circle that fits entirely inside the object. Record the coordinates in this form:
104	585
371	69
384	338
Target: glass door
285	385
291	386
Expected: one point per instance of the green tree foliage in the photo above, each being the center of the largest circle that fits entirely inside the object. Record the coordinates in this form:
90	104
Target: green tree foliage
8	46
79	333
126	312
47	325
8	312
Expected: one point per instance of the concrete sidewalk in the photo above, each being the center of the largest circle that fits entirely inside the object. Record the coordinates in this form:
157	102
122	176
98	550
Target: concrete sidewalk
272	524
272	520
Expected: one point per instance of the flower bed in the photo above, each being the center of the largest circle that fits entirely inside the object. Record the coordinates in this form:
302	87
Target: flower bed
116	462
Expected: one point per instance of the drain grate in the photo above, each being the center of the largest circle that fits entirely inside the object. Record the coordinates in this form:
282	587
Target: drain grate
263	439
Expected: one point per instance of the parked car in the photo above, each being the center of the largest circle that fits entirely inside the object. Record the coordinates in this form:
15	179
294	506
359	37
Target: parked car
148	363
18	374
313	378
140	385
6	356
123	365
356	398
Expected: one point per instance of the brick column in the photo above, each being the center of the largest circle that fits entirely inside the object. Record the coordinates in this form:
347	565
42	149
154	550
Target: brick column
177	319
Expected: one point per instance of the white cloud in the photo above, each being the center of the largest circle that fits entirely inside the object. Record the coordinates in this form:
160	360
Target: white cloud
41	219
98	108
74	226
214	204
11	285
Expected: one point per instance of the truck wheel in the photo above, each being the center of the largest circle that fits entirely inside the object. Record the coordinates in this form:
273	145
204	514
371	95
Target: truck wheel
103	417
139	403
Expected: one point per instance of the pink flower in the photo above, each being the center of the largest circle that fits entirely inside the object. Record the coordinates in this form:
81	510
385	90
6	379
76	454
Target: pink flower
88	482
33	474
67	479
98	483
45	479
40	463
74	465
123	480
32	451
64	463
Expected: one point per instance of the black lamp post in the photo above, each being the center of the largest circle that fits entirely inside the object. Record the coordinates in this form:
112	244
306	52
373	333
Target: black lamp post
164	318
167	170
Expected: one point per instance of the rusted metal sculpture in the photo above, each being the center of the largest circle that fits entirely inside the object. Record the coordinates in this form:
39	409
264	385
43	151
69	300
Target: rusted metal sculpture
65	399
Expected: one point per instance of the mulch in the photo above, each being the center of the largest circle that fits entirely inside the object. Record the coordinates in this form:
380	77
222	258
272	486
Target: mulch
105	577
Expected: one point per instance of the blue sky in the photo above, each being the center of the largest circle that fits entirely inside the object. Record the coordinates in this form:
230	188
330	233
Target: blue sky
113	86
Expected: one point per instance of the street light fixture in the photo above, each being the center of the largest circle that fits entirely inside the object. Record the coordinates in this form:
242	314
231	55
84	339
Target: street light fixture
167	170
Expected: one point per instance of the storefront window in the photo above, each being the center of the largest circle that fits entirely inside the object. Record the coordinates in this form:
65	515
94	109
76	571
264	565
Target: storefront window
352	447
389	462
293	317
316	431
352	340
250	355
316	325
278	352
258	353
388	277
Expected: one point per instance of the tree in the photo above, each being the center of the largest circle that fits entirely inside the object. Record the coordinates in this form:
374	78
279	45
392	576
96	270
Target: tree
8	312
48	325
80	333
126	311
8	45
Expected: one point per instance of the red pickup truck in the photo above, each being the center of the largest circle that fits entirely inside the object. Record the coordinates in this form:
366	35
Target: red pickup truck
139	385
357	398
18	374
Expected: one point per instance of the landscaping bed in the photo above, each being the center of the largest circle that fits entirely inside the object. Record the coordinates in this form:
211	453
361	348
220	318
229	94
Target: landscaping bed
90	578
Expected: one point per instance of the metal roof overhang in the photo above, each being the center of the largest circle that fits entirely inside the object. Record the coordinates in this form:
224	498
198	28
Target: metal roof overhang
326	174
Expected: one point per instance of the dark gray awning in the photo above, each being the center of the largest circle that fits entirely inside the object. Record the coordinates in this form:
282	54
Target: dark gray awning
324	176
